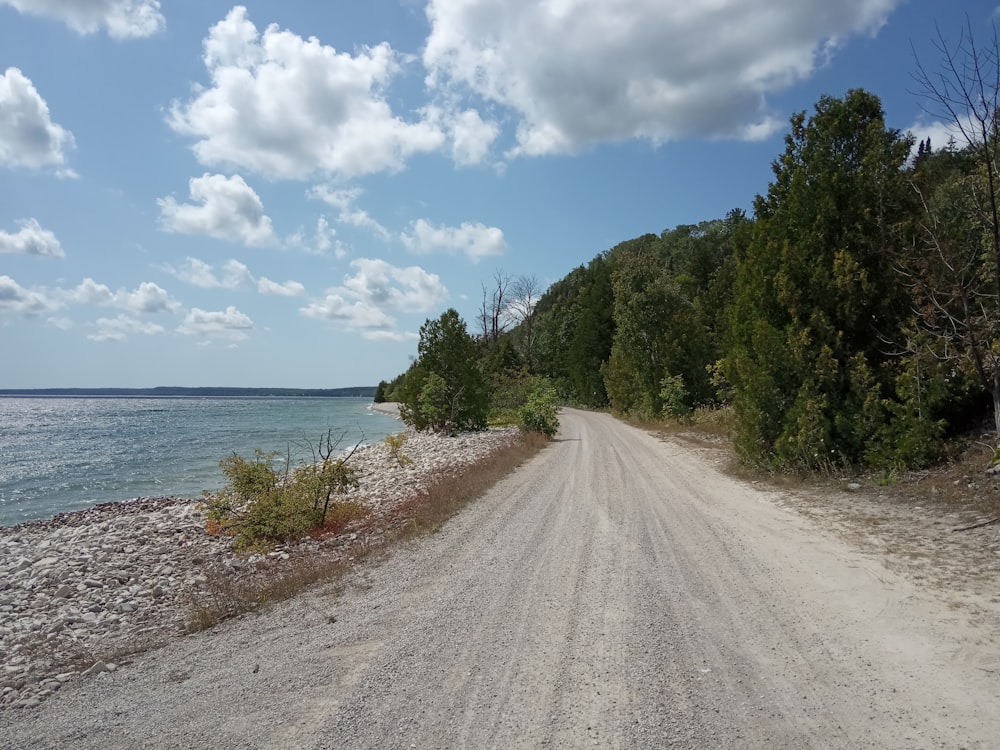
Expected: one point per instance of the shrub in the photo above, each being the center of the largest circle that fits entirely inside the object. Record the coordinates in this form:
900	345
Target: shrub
539	412
396	443
261	505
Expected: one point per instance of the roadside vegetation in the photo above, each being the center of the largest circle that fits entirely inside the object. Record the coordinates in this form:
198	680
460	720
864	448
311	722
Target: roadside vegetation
226	595
850	324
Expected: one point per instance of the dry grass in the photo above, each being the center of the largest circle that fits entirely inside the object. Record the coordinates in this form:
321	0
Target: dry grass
228	594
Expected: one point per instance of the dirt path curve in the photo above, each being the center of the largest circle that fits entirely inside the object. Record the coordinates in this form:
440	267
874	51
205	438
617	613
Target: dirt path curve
617	591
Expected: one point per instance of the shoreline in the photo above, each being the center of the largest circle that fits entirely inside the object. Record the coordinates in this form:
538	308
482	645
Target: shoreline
85	588
386	407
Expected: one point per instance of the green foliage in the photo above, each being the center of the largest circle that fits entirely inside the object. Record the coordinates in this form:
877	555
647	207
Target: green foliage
573	332
380	391
853	320
396	443
539	413
261	505
674	397
815	292
444	390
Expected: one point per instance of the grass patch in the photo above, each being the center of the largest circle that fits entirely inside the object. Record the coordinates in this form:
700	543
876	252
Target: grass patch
227	593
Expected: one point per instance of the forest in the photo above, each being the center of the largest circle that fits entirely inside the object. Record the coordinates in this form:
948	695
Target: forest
851	321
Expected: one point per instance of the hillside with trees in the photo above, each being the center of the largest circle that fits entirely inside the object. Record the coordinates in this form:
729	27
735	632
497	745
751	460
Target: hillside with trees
852	321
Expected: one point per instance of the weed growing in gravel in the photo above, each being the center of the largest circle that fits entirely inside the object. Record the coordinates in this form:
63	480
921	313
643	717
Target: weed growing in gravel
396	443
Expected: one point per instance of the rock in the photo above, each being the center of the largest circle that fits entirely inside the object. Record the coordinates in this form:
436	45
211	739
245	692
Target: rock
853	486
95	669
63	592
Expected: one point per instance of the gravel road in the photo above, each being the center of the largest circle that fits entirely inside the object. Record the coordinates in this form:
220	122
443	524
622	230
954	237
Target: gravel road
617	591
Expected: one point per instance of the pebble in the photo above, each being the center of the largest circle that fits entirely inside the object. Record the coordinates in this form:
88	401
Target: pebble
94	585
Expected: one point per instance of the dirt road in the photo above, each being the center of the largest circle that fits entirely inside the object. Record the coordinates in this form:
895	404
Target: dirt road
617	591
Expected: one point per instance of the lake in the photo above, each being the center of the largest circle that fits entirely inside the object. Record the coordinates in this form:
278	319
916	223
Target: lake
61	454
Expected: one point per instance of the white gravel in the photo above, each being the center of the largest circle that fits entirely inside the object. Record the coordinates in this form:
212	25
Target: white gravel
83	589
616	591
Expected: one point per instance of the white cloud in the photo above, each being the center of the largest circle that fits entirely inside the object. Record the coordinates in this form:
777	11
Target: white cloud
224	207
409	289
322	242
289	107
356	316
390	335
362	302
28	137
229	324
577	72
343	199
476	241
147	298
287	289
234	275
199	273
123	19
472	137
118	329
31	239
27	303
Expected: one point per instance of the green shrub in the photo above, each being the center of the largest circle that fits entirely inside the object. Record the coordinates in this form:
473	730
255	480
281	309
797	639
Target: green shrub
539	413
396	443
261	505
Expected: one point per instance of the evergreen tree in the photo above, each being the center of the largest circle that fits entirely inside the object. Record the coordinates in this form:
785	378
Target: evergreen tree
816	292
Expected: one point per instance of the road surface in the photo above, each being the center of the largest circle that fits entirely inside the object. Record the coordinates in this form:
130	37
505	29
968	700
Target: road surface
616	591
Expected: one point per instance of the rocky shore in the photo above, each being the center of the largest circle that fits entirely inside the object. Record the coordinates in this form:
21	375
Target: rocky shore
82	589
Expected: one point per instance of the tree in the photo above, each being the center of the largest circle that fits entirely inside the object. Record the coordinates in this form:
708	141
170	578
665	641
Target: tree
954	269
526	293
493	318
444	389
815	290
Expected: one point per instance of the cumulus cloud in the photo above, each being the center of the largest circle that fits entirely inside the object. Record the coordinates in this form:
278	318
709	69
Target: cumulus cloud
471	137
27	303
229	324
365	299
286	289
28	137
343	199
476	241
119	328
289	107
223	207
410	289
324	241
199	273
123	19
147	298
232	275
31	239
577	72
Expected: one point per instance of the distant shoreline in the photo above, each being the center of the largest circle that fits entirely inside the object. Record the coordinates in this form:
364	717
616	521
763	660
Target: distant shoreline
205	392
387	407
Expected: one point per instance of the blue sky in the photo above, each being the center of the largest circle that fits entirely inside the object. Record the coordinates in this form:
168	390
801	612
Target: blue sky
280	193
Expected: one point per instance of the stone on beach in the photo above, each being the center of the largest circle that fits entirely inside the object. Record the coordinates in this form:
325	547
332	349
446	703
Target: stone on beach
118	577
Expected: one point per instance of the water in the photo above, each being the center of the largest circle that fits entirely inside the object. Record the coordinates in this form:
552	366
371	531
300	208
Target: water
60	454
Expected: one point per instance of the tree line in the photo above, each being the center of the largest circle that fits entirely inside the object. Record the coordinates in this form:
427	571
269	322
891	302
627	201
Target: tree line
852	320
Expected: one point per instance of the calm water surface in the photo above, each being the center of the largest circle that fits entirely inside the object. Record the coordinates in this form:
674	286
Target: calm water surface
59	454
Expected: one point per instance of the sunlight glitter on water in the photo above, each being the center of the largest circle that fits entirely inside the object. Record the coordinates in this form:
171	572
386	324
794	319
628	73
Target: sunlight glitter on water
59	454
